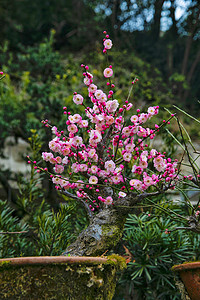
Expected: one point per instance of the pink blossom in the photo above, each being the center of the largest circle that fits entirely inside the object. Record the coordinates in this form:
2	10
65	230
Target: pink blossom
109	165
54	129
137	184
72	128
92	88
58	159
65	160
158	160
127	156
75	168
78	99
95	136
129	147
116	179
77	118
108	72
91	152
143	118
143	164
47	156
102	174
83	167
108	200
112	106
56	180
126	131
134	119
65	150
153	152
103	97
148	181
80	184
107	44
98	94
83	124
93	180
94	169
64	183
151	110
109	120
122	194
77	141
59	169
129	106
160	166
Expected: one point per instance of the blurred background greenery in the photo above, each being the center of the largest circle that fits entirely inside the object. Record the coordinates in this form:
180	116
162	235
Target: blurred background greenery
42	46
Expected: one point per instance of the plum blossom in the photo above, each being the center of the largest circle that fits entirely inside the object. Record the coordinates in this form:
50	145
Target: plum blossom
109	165
94	169
98	94
72	128
122	194
65	160
75	168
78	99
148	181
107	44
137	184
59	169
108	200
134	119
127	156
93	180
108	72
83	124
77	141
112	105
80	184
83	167
103	146
47	156
95	137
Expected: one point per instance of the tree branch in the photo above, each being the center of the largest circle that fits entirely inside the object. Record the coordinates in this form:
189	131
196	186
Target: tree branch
12	232
86	206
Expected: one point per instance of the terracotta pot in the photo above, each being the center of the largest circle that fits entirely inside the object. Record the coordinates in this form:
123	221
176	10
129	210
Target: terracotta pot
59	277
190	275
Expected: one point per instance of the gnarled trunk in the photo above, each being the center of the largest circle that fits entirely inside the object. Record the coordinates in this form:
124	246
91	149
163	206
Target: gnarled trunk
103	233
106	227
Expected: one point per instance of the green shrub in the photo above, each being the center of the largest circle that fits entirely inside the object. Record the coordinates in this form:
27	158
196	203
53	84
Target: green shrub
153	253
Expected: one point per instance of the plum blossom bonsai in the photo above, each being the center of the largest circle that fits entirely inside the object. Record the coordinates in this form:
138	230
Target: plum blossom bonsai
103	160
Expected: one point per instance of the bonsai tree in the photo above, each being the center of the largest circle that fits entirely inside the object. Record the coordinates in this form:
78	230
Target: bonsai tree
103	160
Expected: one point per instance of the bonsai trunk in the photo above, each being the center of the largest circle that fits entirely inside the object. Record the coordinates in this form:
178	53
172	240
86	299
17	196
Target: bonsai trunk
103	233
105	229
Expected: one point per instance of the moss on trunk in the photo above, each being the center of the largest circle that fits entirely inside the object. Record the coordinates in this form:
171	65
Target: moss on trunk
101	235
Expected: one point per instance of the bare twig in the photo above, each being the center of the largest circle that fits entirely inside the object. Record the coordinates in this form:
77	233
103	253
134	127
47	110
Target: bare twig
86	206
13	232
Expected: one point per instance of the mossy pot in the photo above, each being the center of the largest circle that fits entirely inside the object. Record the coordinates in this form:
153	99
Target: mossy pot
189	273
59	277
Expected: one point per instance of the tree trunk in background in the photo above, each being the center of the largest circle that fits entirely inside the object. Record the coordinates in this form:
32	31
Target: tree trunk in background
170	60
193	25
115	18
155	28
190	74
173	28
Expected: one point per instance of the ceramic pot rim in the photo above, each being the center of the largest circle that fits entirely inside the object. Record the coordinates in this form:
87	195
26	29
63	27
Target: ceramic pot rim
186	266
43	260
